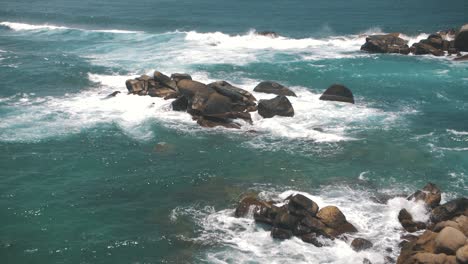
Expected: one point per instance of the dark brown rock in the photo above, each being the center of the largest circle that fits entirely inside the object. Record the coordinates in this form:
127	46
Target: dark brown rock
450	210
281	233
176	77
461	39
423	49
301	205
385	44
249	202
338	92
461	58
430	194
180	104
273	88
279	105
311	238
164	80
359	244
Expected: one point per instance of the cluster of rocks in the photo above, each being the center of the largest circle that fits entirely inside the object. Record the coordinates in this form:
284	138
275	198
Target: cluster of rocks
220	103
437	44
298	216
445	239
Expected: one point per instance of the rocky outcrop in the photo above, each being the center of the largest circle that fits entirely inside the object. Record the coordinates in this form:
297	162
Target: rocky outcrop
445	240
339	93
279	105
298	216
423	49
273	88
461	39
430	195
158	86
406	220
389	43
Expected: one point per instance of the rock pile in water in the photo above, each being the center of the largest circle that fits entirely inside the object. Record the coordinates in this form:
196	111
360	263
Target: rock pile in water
445	237
298	216
220	103
438	44
444	241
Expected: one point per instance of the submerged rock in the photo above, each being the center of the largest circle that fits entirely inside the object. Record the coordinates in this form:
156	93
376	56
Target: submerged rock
279	105
338	92
273	88
389	43
360	244
270	34
281	233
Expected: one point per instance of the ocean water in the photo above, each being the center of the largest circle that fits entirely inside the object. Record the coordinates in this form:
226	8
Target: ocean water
85	179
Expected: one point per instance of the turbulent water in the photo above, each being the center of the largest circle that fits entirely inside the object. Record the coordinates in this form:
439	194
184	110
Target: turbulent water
86	179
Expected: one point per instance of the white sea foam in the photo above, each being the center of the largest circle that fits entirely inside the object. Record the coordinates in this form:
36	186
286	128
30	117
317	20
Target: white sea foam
240	240
457	133
34	118
23	26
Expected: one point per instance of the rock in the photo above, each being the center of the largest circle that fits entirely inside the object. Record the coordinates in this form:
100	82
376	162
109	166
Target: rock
273	88
423	49
388	260
314	225
215	122
285	220
359	244
270	34
462	222
407	222
176	77
450	210
461	39
338	92
215	104
267	215
162	92
331	216
279	105
311	238
385	44
112	95
163	147
441	225
302	206
134	86
429	258
449	240
164	80
236	94
281	233
424	243
248	203
462	255
366	261
430	194
180	104
436	41
461	58
189	88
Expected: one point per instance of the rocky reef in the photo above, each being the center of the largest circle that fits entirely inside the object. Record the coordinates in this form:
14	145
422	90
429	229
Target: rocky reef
441	43
220	103
440	240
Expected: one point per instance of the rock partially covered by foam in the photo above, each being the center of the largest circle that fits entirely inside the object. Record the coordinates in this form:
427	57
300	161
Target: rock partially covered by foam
389	43
297	216
339	93
280	106
273	88
430	195
450	210
158	86
406	220
461	39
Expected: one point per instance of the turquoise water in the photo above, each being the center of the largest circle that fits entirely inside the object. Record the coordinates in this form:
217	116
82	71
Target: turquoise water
126	180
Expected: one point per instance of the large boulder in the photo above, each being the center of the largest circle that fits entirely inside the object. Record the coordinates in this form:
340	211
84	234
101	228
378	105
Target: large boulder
335	220
449	240
423	49
134	86
310	224
407	222
166	93
273	88
164	80
180	104
430	194
242	99
284	219
267	214
176	77
279	105
436	41
189	88
461	39
302	206
450	210
462	254
389	43
338	92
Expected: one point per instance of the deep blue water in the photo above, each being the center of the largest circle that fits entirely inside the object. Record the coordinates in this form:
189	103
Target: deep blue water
126	180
